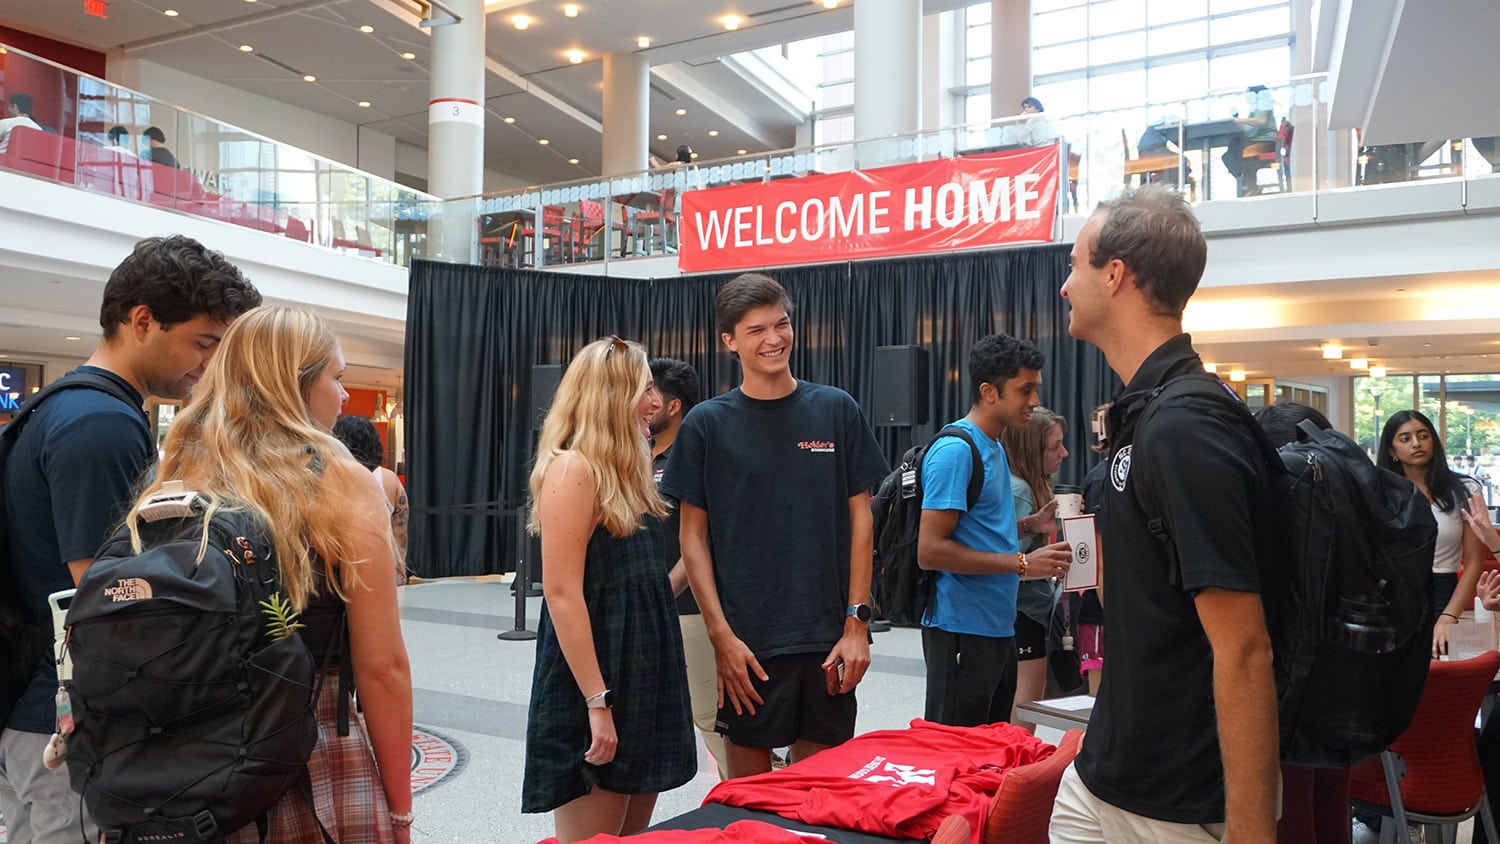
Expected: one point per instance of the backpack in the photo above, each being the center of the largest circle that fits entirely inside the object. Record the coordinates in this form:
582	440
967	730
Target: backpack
193	704
23	643
901	588
1356	545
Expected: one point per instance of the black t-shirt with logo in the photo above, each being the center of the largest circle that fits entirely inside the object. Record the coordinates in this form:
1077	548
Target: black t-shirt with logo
775	477
1152	746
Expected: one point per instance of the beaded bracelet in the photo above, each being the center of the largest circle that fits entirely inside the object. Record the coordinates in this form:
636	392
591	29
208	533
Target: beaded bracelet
402	821
1022	570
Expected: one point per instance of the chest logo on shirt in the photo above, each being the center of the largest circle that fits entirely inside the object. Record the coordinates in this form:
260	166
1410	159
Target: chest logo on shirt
880	770
817	446
1119	469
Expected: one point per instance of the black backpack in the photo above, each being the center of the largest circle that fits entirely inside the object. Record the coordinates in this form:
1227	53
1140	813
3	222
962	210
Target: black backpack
902	589
194	709
24	642
1355	540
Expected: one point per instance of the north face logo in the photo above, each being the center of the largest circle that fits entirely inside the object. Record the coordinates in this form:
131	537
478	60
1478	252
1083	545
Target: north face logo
128	589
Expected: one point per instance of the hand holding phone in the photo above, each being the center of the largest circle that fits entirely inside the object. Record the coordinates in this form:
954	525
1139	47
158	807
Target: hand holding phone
834	672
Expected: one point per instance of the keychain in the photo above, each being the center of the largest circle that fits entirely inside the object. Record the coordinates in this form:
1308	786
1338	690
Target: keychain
57	746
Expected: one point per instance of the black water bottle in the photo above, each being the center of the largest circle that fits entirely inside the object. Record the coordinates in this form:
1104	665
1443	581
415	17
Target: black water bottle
1365	623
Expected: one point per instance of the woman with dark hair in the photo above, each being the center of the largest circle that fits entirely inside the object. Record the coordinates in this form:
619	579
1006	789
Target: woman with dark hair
358	434
1409	446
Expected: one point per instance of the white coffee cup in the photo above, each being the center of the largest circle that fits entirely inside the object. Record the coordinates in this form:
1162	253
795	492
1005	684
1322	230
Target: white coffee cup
1069	504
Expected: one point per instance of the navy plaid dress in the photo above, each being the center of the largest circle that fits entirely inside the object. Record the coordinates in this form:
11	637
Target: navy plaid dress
639	647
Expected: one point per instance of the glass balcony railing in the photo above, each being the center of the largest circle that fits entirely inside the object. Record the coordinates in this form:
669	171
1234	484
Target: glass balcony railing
101	137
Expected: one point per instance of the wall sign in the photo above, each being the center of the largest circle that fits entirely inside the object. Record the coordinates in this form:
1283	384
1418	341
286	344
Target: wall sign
905	209
97	8
12	388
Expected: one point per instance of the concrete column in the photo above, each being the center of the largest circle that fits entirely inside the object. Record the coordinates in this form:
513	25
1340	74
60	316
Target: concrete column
887	72
455	129
1010	56
627	118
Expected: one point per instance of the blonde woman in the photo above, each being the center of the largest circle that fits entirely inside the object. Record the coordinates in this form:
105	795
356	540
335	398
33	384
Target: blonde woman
610	723
256	436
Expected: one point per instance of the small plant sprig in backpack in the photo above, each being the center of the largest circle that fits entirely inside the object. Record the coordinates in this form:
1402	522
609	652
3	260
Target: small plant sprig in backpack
281	619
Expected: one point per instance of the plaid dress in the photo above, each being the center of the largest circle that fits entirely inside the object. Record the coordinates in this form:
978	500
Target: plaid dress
639	647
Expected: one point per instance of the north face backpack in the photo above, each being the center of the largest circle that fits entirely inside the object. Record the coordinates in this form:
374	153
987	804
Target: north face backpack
23	643
192	695
901	588
1347	600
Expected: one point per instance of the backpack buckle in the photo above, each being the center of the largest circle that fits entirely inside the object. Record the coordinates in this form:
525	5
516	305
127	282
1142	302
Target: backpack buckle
111	836
205	825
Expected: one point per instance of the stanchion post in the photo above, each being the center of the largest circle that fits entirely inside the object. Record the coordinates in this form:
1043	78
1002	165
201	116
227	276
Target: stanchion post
522	584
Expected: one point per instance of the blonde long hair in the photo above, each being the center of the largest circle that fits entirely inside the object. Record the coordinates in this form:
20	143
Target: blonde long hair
246	440
595	415
1025	448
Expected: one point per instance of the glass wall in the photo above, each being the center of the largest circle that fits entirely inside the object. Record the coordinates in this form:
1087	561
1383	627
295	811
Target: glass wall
1464	408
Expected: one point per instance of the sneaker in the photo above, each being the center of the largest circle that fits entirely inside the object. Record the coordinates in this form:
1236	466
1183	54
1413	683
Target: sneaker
1362	834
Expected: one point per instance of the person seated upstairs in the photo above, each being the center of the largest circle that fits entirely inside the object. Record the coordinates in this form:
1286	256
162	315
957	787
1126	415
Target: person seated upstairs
17	113
1159	139
119	140
1035	130
156	148
1258	128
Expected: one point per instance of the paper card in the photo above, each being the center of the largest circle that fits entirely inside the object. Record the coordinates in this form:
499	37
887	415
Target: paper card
1468	639
1074	703
1079	532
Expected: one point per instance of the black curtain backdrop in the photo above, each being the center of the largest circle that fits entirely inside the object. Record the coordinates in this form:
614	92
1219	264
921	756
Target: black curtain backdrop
473	334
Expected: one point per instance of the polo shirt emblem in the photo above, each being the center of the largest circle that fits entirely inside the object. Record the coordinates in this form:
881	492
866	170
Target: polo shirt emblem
1119	469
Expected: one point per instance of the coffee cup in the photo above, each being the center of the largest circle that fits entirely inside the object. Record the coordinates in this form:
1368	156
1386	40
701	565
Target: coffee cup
1069	501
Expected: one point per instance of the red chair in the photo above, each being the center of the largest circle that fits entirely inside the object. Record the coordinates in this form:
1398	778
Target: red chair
663	217
953	830
1022	809
40	154
553	220
1431	773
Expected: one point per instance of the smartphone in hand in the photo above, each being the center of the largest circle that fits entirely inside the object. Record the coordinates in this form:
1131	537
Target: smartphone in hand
835	676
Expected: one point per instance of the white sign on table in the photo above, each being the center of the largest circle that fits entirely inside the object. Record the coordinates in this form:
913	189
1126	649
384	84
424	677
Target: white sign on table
1079	532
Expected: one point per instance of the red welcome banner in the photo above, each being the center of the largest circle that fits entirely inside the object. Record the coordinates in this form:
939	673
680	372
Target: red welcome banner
906	209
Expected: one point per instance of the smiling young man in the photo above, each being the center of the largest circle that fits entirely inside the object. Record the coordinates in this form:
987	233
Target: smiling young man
68	478
968	631
773	481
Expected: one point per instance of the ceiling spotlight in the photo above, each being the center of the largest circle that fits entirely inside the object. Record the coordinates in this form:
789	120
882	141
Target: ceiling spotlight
713	133
72	337
1359	363
367	29
364	103
572	161
171	13
739	152
570	10
543	141
246	48
643	42
1332	351
1210	368
830	4
732	22
1377	372
308	77
520	21
661	137
681	112
1236	375
408	56
510	120
575	56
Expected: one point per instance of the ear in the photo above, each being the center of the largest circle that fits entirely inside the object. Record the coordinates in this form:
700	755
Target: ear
674	407
140	321
728	340
1116	275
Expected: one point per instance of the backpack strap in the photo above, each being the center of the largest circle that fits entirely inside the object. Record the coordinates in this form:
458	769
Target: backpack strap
976	469
76	380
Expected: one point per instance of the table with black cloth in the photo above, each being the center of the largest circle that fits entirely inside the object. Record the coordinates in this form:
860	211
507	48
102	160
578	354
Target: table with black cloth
718	816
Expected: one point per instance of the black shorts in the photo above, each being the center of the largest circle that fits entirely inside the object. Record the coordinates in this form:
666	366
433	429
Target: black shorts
1031	639
971	680
797	707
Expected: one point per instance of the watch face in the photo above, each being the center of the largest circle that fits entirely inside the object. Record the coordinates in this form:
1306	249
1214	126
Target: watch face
861	612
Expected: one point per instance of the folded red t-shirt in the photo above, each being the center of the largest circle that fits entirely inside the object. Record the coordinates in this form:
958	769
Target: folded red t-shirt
739	832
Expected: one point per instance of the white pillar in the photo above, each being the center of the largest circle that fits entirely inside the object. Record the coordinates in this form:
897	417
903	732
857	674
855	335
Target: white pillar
1010	56
627	119
887	73
455	128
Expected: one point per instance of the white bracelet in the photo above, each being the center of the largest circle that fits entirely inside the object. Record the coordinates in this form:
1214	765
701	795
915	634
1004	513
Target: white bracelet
402	821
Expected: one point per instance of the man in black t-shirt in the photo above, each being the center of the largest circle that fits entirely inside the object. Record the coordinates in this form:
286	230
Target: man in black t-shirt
1182	741
773	481
677	382
68	479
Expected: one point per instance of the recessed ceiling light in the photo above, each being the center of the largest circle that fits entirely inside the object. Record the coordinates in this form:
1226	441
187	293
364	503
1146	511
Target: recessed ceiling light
1236	375
171	13
4	356
572	161
543	141
367	29
570	10
1377	372
575	56
732	22
1332	351
830	4
246	48
643	42
739	152
364	103
510	120
408	56
72	337
309	78
1359	363
713	133
681	112
520	21
1210	368
695	156
661	137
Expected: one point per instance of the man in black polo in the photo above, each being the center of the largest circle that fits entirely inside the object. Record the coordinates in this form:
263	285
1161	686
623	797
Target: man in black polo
1182	743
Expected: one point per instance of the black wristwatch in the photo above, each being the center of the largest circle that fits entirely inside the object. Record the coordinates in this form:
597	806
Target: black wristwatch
860	612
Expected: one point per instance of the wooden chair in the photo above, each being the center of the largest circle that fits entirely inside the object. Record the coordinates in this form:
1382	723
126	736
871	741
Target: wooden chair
1022	809
1144	167
1431	773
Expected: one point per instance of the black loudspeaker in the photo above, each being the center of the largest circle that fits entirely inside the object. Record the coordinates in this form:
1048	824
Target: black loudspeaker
902	387
544	380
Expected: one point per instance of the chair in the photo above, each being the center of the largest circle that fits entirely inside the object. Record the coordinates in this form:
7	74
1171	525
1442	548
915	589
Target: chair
296	229
1022	809
591	227
551	231
953	830
663	215
1144	167
1431	773
1284	134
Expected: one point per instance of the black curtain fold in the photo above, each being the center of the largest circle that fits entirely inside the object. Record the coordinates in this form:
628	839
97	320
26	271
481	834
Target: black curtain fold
474	333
